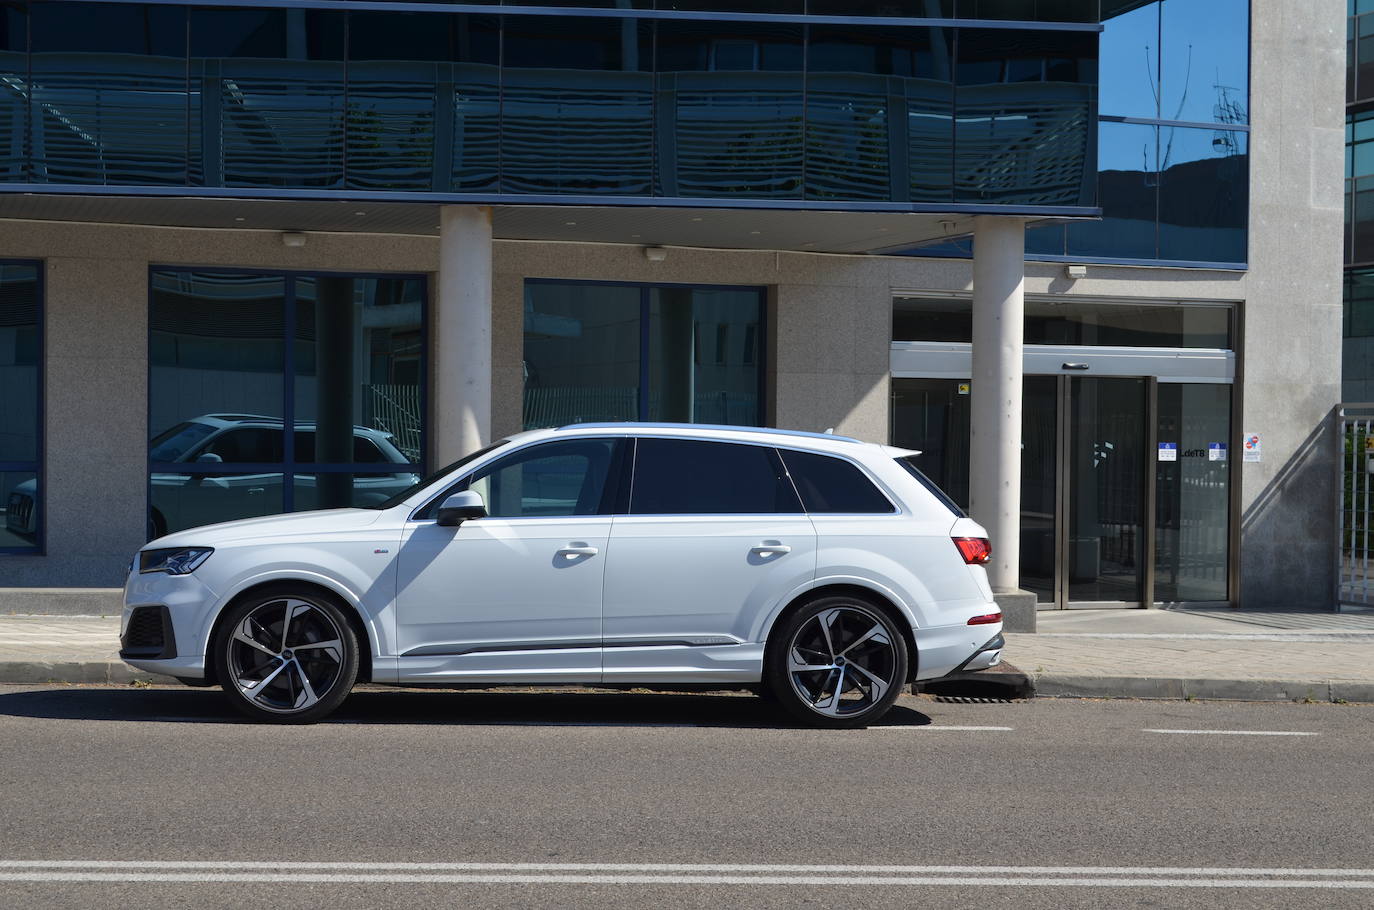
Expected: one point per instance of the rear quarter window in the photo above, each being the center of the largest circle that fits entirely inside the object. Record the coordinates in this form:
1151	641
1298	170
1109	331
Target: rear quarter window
833	485
931	486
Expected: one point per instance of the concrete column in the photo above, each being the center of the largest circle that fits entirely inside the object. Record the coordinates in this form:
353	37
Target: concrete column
998	329
462	333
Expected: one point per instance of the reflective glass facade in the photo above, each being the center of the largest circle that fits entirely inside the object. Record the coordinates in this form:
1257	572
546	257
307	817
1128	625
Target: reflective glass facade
597	352
662	102
21	377
236	357
1172	139
1357	366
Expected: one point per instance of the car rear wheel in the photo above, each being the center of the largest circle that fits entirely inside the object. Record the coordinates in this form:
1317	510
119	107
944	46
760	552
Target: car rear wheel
288	657
837	662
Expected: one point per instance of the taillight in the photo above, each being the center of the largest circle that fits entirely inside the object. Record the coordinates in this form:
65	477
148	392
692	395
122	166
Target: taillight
986	619
975	550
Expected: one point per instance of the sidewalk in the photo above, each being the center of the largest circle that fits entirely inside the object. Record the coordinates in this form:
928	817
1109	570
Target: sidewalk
1216	653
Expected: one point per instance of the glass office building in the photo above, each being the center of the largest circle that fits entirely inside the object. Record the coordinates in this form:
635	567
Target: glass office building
261	259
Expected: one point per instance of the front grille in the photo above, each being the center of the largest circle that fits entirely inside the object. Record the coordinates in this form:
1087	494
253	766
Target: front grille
19	512
149	635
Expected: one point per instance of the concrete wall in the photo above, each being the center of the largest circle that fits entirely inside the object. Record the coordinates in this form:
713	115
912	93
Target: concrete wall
1292	318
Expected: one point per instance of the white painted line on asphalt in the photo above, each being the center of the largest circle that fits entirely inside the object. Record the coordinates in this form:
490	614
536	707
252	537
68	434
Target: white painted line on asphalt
952	727
1237	732
751	880
681	868
1290	635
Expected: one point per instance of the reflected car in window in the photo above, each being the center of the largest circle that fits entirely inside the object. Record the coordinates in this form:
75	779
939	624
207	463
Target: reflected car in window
234	471
825	571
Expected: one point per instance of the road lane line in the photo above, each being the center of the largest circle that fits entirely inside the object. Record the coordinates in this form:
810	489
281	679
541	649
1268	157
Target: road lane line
1236	732
953	727
659	879
723	868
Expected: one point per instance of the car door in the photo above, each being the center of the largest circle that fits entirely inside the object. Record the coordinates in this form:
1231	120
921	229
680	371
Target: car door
715	536
515	596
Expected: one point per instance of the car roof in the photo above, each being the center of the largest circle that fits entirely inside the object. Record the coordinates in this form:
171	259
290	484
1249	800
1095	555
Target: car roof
224	421
800	438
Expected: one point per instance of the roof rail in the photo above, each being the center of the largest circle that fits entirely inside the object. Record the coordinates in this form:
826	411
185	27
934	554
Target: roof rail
625	424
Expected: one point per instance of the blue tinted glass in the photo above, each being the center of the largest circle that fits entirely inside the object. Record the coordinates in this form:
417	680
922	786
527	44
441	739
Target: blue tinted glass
913	9
14	66
1128	186
423	102
1024	117
109	93
1130	59
730	103
577	106
20	366
1203	194
686	477
735	6
704	355
878	114
1205	52
268	97
1045	241
581	355
1029	10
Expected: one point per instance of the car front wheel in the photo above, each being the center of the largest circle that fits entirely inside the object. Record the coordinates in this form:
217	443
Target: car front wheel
287	657
837	662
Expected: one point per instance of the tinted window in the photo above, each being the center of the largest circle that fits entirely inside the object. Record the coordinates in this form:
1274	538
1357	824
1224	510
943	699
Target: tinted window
251	445
930	485
686	477
557	478
833	485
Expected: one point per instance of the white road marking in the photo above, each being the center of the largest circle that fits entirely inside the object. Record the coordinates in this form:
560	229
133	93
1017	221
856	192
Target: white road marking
1292	635
1237	732
682	879
954	727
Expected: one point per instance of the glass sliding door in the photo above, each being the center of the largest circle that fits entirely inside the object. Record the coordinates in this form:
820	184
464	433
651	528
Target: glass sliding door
1106	490
1040	459
1193	493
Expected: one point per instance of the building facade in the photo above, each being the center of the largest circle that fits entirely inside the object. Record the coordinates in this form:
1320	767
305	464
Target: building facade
402	233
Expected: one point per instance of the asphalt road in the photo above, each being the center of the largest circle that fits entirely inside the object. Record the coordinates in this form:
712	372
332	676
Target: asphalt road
161	797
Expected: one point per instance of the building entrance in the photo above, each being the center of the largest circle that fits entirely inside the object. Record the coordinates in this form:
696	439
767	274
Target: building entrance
1125	482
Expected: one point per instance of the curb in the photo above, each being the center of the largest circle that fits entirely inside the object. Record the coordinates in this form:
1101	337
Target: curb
1289	690
40	672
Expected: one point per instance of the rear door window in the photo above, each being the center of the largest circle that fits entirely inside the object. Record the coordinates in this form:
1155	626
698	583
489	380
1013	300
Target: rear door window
833	485
692	477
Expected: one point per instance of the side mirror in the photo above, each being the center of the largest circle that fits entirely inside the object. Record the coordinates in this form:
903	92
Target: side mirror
209	458
461	507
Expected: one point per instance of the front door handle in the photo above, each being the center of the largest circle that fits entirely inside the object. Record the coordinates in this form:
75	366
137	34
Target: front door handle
770	549
574	552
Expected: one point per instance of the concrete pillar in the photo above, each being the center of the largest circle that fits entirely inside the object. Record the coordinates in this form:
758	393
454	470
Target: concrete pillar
462	333
998	329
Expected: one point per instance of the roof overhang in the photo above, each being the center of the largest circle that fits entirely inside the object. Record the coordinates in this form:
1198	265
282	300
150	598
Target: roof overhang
798	227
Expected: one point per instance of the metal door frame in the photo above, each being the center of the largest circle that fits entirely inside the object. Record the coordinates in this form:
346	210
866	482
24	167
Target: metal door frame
1063	494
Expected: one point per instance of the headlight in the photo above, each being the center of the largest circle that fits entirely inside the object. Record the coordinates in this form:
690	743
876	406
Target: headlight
174	561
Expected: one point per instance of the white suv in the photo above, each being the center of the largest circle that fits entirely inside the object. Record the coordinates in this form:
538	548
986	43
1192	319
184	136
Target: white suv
827	571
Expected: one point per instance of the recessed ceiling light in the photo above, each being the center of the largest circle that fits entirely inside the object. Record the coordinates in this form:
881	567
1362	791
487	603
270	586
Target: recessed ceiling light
360	213
570	224
756	232
636	235
238	218
696	219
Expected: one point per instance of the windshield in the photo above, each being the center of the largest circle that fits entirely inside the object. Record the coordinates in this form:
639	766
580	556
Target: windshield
436	476
176	442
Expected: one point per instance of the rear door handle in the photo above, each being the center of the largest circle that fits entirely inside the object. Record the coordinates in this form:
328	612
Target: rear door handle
770	549
574	552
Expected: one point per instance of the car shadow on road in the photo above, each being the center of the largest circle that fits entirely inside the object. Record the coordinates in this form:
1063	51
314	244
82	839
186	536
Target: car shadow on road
389	707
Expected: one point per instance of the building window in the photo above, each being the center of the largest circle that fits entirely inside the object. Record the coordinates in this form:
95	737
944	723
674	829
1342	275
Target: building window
236	357
21	383
642	352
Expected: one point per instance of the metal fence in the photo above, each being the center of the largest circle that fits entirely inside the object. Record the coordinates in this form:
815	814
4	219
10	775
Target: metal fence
1356	491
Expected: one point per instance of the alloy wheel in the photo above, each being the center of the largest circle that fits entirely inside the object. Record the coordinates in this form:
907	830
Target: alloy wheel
286	655
842	662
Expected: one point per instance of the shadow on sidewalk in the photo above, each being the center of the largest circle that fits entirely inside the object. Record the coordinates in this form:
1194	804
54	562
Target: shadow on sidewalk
384	707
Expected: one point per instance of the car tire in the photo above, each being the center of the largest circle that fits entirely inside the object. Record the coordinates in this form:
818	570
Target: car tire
298	678
838	661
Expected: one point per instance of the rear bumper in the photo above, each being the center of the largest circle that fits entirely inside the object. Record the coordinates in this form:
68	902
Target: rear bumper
990	655
943	650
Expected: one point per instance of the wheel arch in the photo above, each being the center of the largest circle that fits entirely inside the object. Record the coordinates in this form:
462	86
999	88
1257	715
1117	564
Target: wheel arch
283	585
878	598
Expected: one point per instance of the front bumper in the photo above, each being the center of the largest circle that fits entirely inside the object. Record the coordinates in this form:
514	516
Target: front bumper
187	605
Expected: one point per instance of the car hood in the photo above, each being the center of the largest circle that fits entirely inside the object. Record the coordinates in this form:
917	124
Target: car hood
272	526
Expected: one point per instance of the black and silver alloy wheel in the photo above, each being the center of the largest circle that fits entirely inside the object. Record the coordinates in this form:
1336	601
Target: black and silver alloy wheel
838	662
288	658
